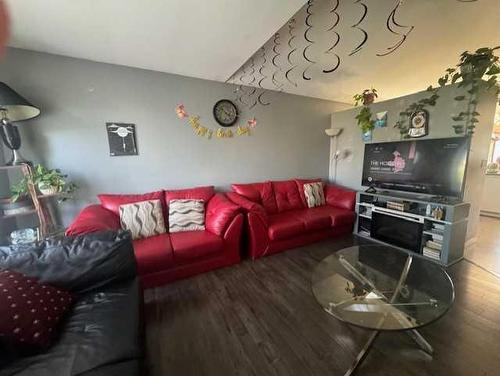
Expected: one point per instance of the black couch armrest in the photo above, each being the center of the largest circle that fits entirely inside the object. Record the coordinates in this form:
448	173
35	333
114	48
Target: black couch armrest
78	264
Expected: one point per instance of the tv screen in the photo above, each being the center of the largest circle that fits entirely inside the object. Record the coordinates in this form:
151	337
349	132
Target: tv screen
434	167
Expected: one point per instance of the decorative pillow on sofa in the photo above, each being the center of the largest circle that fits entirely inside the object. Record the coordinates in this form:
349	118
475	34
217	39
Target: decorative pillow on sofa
186	215
314	194
143	219
30	311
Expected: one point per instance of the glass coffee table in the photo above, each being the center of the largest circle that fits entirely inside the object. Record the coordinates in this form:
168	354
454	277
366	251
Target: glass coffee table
383	289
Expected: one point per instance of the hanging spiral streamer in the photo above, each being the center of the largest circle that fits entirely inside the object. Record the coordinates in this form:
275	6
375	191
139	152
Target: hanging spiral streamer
391	22
261	72
261	101
293	49
333	11
251	82
277	53
356	26
310	4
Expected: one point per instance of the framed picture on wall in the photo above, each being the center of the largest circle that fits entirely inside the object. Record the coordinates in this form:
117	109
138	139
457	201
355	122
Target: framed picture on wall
121	138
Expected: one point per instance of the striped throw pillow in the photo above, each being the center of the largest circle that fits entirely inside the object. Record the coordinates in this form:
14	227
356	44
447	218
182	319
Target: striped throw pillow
314	194
143	219
186	215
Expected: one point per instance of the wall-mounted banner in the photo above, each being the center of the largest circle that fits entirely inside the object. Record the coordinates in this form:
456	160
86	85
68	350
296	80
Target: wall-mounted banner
203	131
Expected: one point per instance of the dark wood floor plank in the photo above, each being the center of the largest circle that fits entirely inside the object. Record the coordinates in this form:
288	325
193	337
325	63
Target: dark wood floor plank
260	318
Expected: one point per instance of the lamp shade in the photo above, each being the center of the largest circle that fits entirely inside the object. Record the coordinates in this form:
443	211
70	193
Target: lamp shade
17	107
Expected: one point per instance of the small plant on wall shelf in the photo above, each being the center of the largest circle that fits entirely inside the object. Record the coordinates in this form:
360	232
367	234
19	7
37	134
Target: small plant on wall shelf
48	182
364	118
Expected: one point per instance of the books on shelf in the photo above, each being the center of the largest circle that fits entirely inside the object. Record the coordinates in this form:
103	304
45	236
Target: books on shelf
432	253
434	245
438	226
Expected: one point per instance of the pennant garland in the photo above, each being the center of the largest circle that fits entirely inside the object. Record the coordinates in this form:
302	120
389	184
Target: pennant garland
203	131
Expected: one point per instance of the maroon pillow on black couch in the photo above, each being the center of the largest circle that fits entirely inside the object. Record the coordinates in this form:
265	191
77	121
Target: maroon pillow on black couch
29	311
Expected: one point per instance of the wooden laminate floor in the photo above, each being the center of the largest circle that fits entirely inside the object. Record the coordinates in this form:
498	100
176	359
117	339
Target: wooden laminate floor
260	318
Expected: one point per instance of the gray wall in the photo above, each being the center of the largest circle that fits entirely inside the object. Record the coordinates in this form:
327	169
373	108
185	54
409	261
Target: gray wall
78	97
349	170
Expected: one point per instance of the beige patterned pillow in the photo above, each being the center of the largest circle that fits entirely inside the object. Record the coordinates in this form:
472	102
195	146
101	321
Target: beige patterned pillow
143	219
186	215
314	194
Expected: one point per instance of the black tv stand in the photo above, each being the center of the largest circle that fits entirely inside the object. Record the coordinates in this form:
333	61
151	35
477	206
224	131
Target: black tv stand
371	189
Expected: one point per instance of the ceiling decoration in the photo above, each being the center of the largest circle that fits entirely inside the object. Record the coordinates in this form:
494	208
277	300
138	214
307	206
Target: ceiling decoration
325	37
336	20
356	26
390	24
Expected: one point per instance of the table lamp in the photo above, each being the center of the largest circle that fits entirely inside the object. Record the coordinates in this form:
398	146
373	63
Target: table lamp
14	108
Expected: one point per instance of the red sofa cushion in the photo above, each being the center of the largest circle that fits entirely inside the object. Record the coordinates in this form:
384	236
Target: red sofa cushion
191	245
315	219
287	195
336	216
30	311
112	202
261	193
285	225
220	212
339	197
300	186
153	254
198	193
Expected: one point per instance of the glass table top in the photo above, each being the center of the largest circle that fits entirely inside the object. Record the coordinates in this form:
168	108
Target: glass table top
382	288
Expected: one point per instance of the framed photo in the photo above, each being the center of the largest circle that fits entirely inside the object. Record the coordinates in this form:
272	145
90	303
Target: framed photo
121	137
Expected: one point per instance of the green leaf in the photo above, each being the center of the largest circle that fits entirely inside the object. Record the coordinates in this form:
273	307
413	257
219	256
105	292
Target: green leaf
455	77
460	98
474	120
457	118
442	81
493	70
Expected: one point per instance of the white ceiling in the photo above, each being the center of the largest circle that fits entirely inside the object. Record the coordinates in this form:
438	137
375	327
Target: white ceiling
211	39
199	38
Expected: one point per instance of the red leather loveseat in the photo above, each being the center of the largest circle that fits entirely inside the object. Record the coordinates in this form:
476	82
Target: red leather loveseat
167	257
278	217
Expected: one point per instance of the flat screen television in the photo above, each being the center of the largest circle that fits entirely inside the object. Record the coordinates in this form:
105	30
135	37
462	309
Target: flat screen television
434	167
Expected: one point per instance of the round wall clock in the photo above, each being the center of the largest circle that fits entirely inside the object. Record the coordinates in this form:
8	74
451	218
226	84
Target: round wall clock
225	113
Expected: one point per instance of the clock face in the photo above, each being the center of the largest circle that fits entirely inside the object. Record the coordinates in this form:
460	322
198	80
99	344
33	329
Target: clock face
225	113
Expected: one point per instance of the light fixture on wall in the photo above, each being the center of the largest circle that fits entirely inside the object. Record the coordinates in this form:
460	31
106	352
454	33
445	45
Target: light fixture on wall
334	133
14	108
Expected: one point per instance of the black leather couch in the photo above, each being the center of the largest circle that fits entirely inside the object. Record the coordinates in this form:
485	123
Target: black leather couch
103	333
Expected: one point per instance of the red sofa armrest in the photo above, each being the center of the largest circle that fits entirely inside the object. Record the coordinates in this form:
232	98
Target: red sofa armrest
92	219
340	197
220	213
248	206
257	236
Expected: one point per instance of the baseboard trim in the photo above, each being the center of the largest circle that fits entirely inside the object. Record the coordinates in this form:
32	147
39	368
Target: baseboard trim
487	213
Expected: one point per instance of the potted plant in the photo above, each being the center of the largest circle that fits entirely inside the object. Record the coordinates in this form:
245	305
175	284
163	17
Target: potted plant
367	97
48	182
364	118
478	63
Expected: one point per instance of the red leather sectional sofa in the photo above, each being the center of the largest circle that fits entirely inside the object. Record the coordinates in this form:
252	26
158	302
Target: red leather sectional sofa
278	217
167	257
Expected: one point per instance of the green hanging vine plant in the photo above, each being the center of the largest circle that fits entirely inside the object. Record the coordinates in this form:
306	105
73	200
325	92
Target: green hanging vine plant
469	74
470	70
364	118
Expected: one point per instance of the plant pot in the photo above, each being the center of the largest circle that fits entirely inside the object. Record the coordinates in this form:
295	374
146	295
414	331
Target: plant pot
368	98
478	68
47	189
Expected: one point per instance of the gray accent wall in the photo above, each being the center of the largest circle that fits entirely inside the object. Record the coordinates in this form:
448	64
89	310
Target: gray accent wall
77	97
351	146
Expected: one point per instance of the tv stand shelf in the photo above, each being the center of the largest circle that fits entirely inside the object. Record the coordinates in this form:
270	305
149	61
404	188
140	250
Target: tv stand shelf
412	228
